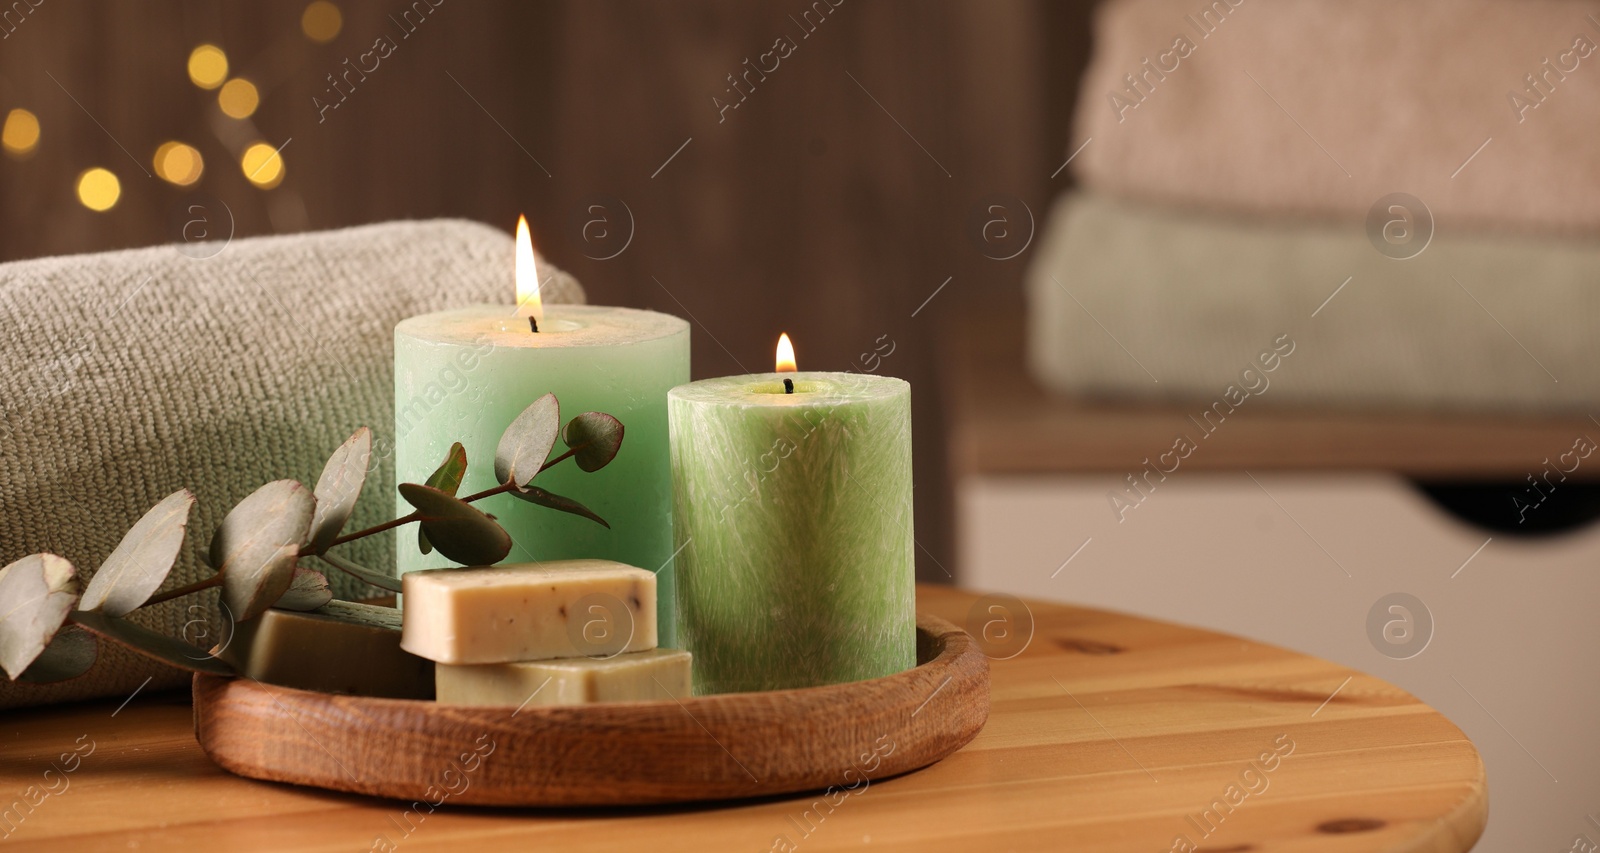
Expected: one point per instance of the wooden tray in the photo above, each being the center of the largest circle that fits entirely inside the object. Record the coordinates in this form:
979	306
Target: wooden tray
707	748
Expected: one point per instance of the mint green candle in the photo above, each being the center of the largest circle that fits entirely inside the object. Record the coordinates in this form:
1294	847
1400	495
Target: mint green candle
463	375
794	511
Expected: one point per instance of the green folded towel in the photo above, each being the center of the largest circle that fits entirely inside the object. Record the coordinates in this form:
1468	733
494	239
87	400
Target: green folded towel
1123	295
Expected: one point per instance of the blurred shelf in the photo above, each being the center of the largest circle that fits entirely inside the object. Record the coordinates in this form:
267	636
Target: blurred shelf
1001	421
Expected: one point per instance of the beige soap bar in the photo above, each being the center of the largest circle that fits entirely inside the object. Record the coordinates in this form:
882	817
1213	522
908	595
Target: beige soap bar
341	647
529	611
659	674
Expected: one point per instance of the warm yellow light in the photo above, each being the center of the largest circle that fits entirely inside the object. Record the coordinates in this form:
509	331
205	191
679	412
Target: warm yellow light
21	134
208	66
178	163
785	354
98	189
238	98
528	302
321	21
262	165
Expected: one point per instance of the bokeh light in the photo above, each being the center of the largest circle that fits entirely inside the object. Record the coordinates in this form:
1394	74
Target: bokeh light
262	165
208	66
21	134
238	98
178	163
321	21
98	189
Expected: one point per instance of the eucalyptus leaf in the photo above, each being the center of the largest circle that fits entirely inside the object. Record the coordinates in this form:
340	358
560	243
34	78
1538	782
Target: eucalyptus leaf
595	438
256	546
446	478
308	590
71	654
360	572
142	560
461	532
534	494
36	593
151	644
526	443
338	489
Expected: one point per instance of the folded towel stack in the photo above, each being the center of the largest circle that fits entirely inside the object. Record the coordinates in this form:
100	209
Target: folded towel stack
1403	192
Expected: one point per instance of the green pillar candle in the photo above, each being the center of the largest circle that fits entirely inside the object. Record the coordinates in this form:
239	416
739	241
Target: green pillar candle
793	511
463	375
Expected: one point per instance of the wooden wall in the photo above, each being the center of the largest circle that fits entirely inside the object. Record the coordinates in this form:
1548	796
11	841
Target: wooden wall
848	185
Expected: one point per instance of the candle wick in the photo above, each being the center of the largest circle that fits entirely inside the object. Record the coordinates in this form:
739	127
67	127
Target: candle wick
533	324
788	386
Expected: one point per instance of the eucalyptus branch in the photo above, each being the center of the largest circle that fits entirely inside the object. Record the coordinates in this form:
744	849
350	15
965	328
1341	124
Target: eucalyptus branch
417	516
490	492
256	549
197	586
360	534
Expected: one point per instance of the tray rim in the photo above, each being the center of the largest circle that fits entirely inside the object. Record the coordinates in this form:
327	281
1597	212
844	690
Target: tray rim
249	729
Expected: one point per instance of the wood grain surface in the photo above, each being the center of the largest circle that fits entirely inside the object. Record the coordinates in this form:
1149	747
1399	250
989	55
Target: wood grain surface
734	745
989	393
1107	733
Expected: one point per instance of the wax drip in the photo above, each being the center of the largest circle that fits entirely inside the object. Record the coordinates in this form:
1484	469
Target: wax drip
533	324
788	386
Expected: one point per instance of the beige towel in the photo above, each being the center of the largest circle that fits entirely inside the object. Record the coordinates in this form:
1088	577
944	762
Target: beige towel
132	374
1123	295
1313	107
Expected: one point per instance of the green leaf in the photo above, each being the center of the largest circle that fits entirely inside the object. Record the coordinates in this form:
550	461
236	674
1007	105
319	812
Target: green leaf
256	546
462	533
526	444
360	572
308	590
36	593
151	644
71	654
142	560
536	495
339	488
595	438
446	478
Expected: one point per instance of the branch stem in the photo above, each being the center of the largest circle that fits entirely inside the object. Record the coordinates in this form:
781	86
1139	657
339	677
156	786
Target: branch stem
497	490
506	487
379	528
197	586
417	516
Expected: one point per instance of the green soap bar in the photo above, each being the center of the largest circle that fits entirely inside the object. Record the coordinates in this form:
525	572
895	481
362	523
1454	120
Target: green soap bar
658	674
795	514
341	647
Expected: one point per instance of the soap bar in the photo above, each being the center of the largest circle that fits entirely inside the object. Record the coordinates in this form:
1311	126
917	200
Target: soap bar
341	647
529	611
659	674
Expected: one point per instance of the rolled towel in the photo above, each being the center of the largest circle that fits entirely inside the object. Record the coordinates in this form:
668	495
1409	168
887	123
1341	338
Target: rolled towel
1483	109
133	374
1139	302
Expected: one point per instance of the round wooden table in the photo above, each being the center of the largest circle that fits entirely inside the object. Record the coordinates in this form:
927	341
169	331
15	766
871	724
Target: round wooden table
1107	733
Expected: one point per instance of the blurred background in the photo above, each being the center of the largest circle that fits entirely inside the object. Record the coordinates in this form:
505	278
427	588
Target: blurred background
1271	320
832	200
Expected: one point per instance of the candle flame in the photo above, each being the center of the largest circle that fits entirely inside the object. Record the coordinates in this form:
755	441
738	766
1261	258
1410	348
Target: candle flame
785	354
528	303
